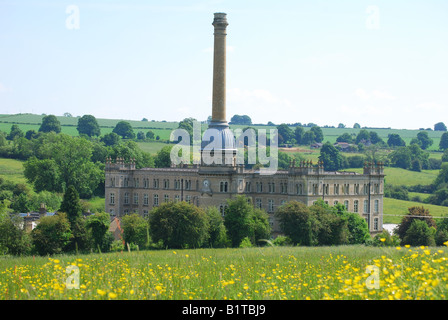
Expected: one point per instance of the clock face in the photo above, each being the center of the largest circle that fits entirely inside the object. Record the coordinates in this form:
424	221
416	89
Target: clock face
206	183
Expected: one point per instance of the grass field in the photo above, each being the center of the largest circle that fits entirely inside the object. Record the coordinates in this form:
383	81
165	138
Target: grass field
11	169
393	209
276	273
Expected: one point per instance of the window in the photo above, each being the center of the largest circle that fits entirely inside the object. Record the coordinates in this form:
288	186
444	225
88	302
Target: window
112	198
335	202
366	206
166	183
299	188
376	206
112	212
126	198
156	183
176	198
135	198
270	205
248	187
145	213
315	188
156	200
222	209
223	186
365	188
355	206
145	199
336	189
346	205
271	187
188	199
326	188
166	197
258	203
136	183
375	224
187	184
356	189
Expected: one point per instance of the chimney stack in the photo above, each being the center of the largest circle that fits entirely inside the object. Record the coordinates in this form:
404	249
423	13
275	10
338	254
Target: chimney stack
219	69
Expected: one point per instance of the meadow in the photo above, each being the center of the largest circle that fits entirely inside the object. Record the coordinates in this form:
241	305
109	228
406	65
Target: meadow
275	273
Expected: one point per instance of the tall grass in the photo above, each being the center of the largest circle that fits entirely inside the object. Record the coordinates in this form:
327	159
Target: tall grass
250	273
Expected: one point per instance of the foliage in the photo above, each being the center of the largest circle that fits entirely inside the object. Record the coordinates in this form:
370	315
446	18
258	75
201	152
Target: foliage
297	222
178	225
14	240
163	157
88	125
242	220
98	225
440	126
414	213
52	234
50	123
135	230
241	119
217	235
443	144
124	129
419	234
331	157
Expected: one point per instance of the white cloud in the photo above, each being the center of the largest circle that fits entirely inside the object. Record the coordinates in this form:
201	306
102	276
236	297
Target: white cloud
373	95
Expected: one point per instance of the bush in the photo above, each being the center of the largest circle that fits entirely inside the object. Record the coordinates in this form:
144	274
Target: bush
282	241
179	225
419	234
246	243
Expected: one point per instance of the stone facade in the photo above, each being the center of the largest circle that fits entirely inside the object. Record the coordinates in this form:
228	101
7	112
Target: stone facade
131	190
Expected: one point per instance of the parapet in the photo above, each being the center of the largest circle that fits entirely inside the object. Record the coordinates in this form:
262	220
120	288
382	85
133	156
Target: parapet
120	164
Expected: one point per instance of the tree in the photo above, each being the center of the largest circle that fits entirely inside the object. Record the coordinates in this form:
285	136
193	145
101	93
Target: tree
51	235
50	123
286	132
394	140
443	144
298	134
331	157
241	221
150	135
345	137
243	120
217	231
423	140
15	132
414	213
43	174
163	157
88	125
141	135
71	204
298	223
440	126
178	225
363	136
308	138
135	230
401	157
72	207
357	126
419	234
111	139
14	240
332	228
318	133
124	129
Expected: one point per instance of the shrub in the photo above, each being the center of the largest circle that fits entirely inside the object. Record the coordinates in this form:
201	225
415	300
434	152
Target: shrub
178	225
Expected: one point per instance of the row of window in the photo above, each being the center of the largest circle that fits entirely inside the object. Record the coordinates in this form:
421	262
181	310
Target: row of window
156	183
155	199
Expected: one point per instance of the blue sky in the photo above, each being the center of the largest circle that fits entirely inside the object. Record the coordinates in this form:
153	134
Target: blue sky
378	63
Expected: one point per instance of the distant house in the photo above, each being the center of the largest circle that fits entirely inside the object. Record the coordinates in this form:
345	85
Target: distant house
115	228
316	145
345	146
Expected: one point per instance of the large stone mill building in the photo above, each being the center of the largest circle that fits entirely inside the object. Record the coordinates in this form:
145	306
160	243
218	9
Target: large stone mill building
131	190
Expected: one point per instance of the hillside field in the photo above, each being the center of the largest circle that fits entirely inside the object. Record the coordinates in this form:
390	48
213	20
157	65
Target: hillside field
164	128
